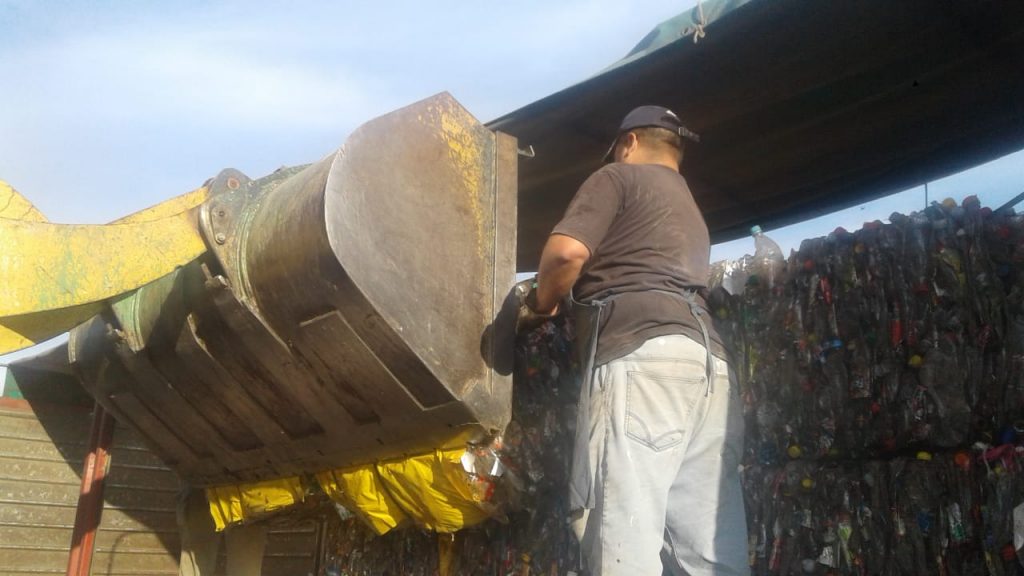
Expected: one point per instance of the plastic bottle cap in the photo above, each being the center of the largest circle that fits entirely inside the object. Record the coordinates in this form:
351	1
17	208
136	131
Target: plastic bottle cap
916	361
794	451
755	230
926	456
962	459
807	483
1009	553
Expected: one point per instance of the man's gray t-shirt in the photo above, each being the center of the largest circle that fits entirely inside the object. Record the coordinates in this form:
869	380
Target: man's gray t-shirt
646	236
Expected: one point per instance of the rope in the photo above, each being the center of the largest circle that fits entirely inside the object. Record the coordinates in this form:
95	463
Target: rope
698	32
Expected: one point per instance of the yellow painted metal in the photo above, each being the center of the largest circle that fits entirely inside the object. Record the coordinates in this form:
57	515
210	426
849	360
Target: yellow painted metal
16	206
48	266
24	330
175	205
55	276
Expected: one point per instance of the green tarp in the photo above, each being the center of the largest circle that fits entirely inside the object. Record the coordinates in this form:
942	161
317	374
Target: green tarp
803	106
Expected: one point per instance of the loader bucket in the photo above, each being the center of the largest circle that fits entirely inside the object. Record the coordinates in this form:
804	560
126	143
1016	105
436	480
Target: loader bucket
337	316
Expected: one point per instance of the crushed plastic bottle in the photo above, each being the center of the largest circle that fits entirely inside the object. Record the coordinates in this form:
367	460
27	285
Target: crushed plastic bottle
768	263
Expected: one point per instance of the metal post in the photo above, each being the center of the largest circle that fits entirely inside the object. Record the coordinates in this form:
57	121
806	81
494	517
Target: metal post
90	497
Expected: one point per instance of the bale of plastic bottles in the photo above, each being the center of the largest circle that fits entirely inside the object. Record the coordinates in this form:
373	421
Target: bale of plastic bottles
883	386
897	336
882	373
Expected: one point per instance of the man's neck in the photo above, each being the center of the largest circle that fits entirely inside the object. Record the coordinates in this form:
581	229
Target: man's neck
659	161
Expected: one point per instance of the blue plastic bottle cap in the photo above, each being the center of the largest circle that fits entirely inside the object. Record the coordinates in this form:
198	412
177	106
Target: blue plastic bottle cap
755	229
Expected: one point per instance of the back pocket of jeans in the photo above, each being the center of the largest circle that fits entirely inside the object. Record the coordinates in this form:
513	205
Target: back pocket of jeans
659	408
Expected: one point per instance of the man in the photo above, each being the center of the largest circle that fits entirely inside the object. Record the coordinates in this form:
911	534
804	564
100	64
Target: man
655	473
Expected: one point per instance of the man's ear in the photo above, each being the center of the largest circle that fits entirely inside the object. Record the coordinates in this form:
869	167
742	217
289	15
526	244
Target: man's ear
630	143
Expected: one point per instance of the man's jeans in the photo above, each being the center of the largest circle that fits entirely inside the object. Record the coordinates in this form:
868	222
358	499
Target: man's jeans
664	452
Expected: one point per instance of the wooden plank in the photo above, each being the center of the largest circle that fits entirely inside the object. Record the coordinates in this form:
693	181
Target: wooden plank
13	492
41	450
22	536
22	407
38	515
143	479
138	520
124	561
15	405
65	427
20	469
39	486
121	455
33	560
113	540
128	438
132	498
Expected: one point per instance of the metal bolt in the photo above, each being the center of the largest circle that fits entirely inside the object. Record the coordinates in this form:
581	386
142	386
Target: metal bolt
221	238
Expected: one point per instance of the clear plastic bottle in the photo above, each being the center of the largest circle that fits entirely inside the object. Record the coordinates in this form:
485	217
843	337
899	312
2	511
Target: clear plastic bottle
769	263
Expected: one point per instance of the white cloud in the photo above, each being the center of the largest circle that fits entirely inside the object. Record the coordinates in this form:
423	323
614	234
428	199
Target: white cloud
106	108
165	76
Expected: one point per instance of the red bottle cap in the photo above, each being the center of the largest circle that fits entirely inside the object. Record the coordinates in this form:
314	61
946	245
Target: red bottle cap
1009	553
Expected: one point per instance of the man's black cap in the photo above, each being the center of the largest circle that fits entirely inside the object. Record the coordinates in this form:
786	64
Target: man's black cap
651	116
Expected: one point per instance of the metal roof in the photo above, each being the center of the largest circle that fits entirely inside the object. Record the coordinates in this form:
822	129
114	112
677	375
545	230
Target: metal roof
803	107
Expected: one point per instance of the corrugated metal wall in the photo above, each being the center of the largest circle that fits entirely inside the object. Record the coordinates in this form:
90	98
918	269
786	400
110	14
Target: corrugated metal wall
138	532
42	446
40	460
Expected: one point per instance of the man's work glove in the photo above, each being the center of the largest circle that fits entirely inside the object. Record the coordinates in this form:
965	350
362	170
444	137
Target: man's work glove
529	318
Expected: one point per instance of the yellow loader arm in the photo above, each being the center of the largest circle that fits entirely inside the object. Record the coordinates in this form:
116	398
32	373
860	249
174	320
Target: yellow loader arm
55	276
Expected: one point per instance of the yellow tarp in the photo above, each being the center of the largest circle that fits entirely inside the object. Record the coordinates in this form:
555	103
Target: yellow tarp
361	491
432	490
232	504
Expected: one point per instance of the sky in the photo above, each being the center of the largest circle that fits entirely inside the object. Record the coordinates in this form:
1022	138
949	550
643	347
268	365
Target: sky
109	107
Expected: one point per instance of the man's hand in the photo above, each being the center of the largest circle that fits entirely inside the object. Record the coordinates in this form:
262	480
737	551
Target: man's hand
529	318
